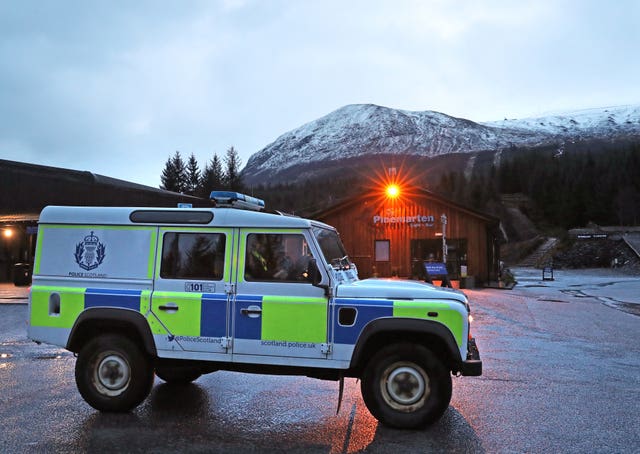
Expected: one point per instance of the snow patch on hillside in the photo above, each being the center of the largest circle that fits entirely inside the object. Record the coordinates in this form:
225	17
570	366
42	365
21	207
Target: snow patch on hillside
366	129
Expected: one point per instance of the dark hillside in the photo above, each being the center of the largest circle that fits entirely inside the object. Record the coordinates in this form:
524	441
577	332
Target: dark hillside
567	188
599	253
558	188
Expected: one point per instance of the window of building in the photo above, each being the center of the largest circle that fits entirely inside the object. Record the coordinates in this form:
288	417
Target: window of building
383	248
193	256
277	257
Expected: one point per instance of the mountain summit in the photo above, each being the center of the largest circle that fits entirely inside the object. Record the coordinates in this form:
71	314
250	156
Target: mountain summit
361	131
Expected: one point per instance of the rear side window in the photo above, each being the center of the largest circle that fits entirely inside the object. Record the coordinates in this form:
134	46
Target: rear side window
193	256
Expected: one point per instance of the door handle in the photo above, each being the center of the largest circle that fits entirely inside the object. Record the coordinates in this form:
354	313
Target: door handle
251	311
169	307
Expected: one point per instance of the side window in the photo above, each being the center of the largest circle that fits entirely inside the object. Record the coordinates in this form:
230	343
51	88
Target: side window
192	256
277	257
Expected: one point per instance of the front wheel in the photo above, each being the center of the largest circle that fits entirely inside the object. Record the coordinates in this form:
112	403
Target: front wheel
113	373
406	386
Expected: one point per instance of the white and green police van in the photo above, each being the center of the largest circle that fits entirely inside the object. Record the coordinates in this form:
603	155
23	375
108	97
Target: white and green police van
185	292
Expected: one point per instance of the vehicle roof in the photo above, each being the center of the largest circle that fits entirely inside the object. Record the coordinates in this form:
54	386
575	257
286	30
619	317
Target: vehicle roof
222	217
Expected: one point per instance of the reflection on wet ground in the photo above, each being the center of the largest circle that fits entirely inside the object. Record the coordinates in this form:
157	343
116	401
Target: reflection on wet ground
545	346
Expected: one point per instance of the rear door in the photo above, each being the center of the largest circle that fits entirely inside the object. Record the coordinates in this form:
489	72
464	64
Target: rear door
190	302
277	312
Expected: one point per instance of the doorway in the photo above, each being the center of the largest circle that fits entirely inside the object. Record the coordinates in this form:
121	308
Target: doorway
431	250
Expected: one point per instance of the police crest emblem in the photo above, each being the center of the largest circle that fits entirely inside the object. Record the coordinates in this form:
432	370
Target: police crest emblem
90	252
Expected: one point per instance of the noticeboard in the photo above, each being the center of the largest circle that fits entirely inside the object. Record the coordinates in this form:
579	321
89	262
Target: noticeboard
435	268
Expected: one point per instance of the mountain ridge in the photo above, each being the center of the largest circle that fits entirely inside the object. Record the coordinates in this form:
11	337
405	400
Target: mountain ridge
367	130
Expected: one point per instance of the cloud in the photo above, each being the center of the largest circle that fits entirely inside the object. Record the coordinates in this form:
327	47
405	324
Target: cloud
117	87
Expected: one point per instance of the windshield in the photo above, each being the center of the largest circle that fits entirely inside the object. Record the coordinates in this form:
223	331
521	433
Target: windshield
332	248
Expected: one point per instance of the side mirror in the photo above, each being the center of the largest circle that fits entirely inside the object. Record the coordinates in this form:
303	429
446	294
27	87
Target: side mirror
315	277
314	272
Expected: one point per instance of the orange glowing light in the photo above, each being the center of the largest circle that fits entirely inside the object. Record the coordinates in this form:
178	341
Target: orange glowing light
8	233
393	191
392	186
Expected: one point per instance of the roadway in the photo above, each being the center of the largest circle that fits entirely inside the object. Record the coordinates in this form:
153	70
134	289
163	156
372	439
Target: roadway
561	374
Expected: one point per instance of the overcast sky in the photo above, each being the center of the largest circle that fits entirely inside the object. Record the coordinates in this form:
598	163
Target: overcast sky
116	87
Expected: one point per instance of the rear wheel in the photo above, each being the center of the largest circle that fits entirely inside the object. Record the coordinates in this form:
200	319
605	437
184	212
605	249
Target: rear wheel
113	373
406	386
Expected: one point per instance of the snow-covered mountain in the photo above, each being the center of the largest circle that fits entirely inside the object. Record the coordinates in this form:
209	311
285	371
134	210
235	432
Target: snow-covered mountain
365	130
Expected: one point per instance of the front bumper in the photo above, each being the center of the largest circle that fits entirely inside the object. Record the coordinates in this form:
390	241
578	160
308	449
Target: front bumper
472	367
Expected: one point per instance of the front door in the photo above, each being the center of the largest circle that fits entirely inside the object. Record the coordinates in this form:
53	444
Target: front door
277	311
191	298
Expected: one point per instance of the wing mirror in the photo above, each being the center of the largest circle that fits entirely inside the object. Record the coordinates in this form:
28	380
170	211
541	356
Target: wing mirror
315	277
314	272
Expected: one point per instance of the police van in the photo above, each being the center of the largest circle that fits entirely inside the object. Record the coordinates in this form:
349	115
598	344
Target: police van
183	292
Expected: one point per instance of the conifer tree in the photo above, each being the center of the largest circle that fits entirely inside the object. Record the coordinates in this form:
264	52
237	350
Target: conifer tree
168	177
232	175
173	176
192	176
180	172
212	177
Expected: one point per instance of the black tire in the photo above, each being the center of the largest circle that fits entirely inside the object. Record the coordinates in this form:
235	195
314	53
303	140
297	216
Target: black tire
178	375
406	386
113	374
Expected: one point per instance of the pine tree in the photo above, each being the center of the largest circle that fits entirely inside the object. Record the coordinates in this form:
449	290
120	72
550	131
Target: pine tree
180	172
212	178
169	179
192	176
232	175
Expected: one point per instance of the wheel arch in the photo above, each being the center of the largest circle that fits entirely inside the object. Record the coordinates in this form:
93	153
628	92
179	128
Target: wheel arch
101	320
430	334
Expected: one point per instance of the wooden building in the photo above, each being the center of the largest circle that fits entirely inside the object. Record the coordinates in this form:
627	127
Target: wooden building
393	233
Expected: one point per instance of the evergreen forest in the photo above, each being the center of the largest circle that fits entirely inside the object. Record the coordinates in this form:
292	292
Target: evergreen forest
566	189
188	178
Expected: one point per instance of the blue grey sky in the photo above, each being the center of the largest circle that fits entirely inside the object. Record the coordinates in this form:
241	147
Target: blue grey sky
116	87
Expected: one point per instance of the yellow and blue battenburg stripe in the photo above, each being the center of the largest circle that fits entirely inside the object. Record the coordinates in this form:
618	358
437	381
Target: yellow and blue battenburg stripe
211	308
71	301
205	314
213	315
125	299
368	310
290	318
252	327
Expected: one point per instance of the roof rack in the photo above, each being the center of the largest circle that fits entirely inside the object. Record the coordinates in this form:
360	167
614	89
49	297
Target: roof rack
230	199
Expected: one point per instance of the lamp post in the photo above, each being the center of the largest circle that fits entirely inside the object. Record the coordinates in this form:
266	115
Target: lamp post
443	221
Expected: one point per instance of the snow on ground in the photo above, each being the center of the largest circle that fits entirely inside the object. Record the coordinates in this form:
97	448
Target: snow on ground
612	287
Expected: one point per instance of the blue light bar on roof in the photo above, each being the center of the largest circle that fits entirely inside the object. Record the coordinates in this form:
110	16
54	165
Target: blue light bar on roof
230	199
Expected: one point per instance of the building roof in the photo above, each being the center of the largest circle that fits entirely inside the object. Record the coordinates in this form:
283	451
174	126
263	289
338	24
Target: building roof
17	218
419	192
27	188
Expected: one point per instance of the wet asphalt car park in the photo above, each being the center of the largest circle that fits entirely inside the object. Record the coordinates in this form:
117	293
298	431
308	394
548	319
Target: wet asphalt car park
561	374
